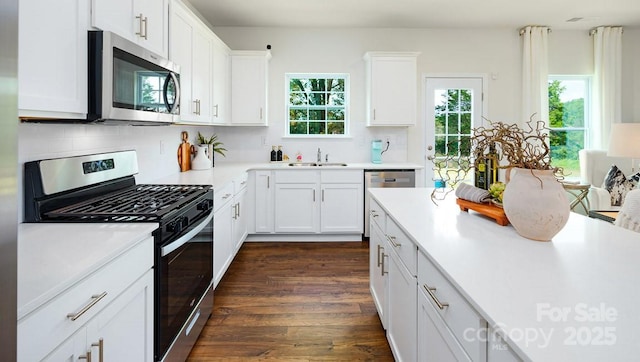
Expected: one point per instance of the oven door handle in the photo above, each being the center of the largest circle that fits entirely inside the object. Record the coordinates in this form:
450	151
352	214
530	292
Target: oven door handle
165	250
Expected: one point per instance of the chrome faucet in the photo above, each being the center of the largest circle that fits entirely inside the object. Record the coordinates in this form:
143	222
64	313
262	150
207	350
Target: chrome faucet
319	155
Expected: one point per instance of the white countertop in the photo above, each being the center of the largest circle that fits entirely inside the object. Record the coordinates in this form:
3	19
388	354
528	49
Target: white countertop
522	286
222	173
54	256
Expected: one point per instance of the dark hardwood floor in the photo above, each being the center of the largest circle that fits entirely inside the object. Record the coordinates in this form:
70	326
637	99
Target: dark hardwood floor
295	302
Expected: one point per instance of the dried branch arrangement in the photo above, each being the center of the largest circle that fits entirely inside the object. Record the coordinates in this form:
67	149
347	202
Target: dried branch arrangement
517	148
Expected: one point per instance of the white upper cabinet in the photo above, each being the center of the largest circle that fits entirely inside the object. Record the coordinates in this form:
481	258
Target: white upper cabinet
220	89
190	47
142	21
391	88
249	80
52	51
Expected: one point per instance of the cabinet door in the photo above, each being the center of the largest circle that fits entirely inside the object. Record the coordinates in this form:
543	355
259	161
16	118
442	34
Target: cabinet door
435	342
116	16
201	76
296	208
341	208
240	229
378	265
249	88
220	87
155	26
180	42
264	190
401	331
52	48
222	241
141	21
126	325
392	90
73	349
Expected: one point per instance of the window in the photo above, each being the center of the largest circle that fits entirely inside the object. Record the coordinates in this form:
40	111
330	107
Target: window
569	102
453	122
317	104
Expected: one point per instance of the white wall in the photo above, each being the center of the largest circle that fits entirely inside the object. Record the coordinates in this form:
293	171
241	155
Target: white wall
495	53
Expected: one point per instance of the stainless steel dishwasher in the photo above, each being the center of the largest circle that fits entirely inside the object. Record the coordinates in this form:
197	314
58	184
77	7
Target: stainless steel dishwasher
384	178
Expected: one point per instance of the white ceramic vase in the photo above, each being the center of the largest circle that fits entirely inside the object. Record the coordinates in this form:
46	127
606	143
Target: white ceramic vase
535	203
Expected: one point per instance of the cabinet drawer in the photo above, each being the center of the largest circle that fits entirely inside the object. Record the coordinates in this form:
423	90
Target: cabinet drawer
341	176
377	215
240	182
458	315
222	195
44	329
296	176
406	249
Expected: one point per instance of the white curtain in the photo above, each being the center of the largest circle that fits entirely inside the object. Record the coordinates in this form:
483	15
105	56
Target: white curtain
607	89
535	73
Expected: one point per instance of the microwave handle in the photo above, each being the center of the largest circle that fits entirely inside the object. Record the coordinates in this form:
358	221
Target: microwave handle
176	104
165	250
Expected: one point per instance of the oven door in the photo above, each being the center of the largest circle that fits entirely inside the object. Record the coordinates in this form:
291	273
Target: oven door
184	273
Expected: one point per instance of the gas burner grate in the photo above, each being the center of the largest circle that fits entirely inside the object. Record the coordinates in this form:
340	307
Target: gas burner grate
135	204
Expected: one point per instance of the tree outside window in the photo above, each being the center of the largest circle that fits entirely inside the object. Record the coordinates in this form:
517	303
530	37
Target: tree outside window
317	104
568	121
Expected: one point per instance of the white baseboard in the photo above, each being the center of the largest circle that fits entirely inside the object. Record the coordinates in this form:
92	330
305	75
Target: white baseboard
303	237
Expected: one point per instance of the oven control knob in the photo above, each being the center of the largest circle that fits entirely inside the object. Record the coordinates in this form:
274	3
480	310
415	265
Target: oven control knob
175	226
204	205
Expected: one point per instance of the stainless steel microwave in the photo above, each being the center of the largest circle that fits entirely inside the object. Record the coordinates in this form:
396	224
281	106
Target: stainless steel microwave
129	83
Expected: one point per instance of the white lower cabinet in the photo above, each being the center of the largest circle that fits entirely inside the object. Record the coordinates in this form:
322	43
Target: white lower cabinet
378	266
222	231
264	196
401	322
108	313
314	201
230	227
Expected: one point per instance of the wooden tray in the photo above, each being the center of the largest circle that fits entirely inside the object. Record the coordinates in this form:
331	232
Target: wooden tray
489	210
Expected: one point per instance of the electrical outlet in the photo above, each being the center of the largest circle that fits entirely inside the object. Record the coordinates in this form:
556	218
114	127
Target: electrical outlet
263	140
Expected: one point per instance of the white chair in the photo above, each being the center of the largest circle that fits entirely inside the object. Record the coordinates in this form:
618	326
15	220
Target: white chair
629	215
594	165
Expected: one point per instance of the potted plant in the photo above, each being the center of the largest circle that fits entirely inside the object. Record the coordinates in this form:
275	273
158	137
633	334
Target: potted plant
534	200
213	145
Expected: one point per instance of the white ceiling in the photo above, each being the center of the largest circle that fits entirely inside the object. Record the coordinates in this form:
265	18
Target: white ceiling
419	13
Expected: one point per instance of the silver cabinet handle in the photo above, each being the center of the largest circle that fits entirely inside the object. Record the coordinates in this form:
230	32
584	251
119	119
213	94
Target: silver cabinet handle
382	271
94	299
373	213
197	110
323	195
243	183
314	195
392	240
268	181
433	296
374	114
226	196
215	111
235	211
238	210
100	345
380	248
142	29
87	356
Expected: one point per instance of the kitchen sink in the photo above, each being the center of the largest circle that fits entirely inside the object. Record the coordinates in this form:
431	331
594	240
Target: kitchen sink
332	164
303	164
310	164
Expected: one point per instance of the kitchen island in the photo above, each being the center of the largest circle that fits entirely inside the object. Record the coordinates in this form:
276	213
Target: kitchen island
573	298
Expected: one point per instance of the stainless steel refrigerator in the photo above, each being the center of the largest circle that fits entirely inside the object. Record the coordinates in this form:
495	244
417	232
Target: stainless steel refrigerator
8	177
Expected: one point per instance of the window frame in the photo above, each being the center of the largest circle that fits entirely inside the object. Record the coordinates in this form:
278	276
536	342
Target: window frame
346	106
588	101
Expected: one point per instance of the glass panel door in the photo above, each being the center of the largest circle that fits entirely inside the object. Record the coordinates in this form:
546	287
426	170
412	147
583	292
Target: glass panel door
453	109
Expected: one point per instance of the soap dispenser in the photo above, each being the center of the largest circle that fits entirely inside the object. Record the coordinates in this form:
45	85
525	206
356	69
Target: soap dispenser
376	151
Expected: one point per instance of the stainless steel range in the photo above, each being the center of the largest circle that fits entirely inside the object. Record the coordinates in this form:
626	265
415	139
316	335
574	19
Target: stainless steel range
102	188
